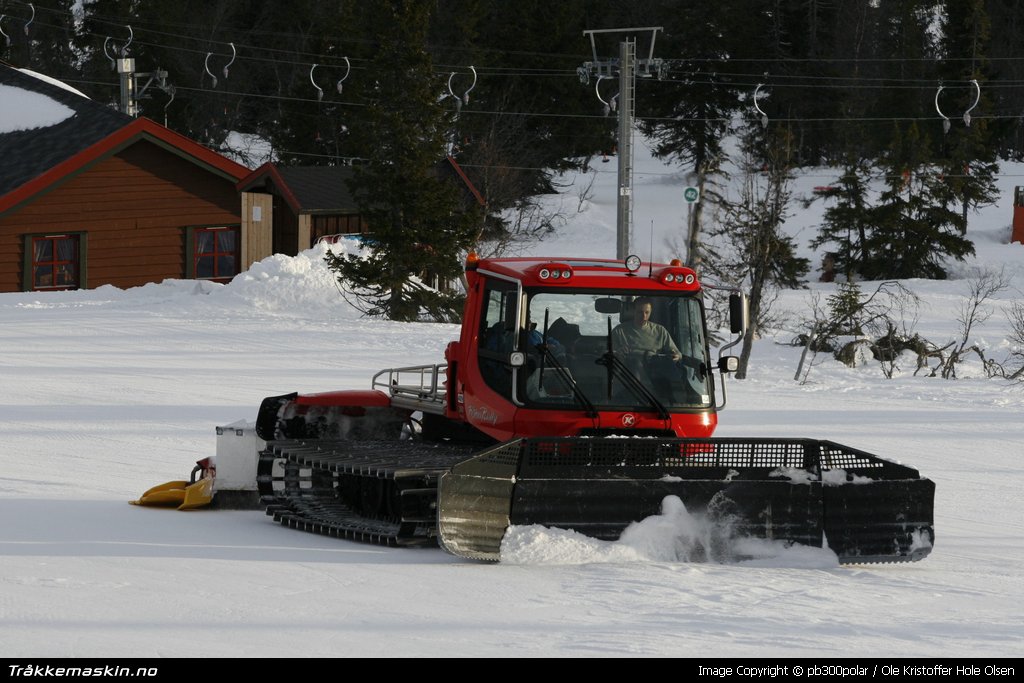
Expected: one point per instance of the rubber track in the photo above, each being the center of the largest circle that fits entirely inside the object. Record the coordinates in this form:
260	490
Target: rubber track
302	490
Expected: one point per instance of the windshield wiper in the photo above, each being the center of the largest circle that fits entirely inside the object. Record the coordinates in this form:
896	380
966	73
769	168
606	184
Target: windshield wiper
563	374
632	382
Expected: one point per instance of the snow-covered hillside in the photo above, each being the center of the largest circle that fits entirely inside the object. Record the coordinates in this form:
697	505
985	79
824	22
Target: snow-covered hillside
107	392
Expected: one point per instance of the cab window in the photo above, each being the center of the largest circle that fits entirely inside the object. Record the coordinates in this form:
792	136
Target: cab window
497	335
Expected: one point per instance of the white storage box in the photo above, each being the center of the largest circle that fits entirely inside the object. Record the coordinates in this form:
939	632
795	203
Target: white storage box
238	449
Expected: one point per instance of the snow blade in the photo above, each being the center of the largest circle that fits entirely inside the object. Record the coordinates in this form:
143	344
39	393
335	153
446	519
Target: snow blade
805	491
169	494
184	495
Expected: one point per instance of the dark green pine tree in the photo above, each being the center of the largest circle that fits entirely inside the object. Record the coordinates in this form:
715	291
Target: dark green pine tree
843	230
802	37
306	126
853	136
49	44
200	108
268	89
915	226
1006	21
688	113
417	219
899	50
968	151
39	38
528	116
845	307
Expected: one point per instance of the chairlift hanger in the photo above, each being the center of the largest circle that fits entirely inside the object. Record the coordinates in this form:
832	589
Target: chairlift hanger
206	64
319	90
977	98
7	38
120	51
348	70
945	119
967	114
31	18
610	105
172	91
465	96
764	116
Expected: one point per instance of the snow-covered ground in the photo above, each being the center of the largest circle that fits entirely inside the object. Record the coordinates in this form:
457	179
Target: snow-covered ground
107	392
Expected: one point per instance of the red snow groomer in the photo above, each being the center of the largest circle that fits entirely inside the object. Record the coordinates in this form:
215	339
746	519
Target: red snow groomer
580	393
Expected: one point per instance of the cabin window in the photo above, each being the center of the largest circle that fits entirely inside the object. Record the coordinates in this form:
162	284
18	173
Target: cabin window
583	326
214	253
498	329
54	262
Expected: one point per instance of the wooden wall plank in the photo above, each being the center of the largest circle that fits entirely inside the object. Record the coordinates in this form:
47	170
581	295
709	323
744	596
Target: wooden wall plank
134	208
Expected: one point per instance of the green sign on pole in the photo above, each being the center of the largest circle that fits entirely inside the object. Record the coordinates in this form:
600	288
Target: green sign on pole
691	195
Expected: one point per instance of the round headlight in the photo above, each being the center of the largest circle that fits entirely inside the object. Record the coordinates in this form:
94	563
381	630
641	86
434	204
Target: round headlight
689	278
566	274
544	273
632	263
668	278
679	277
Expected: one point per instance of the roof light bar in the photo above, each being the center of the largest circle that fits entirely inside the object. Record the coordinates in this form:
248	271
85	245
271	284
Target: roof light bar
554	272
678	276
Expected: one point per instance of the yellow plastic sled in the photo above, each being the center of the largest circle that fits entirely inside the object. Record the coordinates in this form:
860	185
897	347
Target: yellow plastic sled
184	495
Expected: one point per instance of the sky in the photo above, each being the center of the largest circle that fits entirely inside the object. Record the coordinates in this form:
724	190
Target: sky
107	392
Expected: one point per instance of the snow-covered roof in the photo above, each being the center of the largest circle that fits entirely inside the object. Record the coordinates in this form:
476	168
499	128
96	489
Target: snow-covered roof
25	110
53	81
73	132
43	124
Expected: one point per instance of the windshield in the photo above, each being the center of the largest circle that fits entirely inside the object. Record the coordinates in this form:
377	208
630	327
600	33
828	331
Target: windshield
659	355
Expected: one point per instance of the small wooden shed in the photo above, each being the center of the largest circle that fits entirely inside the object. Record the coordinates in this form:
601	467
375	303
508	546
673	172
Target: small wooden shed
287	209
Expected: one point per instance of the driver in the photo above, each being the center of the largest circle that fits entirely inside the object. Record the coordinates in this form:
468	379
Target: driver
641	337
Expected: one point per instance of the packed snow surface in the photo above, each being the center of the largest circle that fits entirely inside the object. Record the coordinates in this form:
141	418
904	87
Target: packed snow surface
107	392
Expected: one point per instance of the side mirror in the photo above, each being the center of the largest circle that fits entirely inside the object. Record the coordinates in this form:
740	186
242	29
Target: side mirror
739	313
728	363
